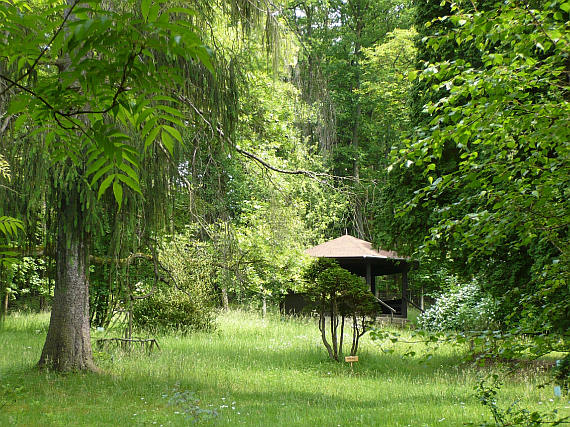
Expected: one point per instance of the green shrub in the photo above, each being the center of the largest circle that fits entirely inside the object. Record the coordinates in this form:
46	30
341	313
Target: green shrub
173	309
186	303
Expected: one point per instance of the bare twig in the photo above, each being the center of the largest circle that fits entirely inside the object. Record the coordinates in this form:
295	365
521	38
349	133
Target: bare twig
310	174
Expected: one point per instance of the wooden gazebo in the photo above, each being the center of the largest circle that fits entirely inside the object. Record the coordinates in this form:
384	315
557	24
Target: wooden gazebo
358	257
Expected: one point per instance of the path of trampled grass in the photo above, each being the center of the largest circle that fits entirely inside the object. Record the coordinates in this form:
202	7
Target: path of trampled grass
251	371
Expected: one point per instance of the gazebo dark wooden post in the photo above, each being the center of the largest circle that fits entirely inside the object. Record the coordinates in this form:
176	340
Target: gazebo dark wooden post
370	278
405	294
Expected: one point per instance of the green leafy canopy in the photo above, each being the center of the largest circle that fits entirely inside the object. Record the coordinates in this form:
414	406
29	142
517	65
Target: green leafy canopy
89	79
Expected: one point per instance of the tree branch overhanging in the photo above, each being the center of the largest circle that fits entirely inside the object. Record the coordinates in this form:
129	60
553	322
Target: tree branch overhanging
265	164
44	50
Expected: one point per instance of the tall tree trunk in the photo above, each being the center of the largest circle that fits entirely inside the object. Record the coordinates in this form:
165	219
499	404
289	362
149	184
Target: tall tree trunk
225	301
68	341
358	208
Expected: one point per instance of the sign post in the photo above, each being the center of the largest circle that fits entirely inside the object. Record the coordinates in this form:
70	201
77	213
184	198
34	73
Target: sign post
351	359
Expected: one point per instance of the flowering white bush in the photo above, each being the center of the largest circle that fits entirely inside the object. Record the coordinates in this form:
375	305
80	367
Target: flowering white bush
461	308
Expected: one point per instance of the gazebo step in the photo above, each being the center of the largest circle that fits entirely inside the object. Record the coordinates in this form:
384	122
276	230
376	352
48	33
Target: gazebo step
389	320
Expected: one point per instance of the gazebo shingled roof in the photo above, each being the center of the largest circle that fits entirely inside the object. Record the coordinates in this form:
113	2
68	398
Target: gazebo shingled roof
358	257
348	246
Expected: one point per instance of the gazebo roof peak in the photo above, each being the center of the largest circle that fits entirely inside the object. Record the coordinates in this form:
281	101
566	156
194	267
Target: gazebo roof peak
349	247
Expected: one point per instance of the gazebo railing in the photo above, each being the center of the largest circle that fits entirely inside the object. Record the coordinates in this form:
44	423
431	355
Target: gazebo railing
392	311
415	305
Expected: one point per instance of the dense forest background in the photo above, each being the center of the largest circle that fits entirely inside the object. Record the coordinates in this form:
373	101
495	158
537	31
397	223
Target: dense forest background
199	174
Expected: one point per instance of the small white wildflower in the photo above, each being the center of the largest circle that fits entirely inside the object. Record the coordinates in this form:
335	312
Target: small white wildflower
441	419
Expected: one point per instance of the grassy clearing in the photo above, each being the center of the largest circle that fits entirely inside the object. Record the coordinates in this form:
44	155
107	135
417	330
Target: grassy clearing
250	371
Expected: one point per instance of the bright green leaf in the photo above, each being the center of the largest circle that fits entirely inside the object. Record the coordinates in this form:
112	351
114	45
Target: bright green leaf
168	142
118	192
145	6
134	185
104	185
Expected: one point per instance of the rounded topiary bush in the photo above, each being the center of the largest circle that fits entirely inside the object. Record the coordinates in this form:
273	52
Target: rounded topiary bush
461	308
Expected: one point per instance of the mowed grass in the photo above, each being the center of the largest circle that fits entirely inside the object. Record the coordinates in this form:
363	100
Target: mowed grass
250	371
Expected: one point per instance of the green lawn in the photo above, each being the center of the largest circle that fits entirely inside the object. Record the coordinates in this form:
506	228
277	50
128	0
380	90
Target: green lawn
250	371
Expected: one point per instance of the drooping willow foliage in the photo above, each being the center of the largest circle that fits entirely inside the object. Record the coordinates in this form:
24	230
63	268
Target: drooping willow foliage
50	162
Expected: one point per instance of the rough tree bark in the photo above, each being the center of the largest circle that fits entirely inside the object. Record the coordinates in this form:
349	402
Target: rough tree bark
68	341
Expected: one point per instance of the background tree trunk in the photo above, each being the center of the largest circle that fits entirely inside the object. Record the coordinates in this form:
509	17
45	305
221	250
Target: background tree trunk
68	342
334	326
264	306
225	301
